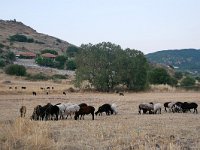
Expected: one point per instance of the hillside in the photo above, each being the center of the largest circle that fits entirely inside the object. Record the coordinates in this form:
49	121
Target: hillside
183	60
39	41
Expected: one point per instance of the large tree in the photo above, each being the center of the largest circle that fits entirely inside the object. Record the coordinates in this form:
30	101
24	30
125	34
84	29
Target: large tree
106	65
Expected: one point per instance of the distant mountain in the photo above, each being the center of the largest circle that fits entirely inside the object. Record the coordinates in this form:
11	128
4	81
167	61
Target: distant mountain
183	59
35	43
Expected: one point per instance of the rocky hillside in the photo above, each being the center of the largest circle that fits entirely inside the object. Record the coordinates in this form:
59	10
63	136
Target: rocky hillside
35	43
184	59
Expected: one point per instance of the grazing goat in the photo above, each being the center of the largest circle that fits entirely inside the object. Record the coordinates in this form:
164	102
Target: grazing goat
83	105
37	114
177	107
61	110
157	108
121	94
23	87
71	109
34	93
146	107
114	108
104	108
187	106
170	106
64	93
166	105
85	111
23	111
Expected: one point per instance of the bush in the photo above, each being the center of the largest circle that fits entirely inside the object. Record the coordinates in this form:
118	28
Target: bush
59	76
15	69
1	45
159	76
188	82
39	76
71	65
72	51
178	75
45	62
49	51
2	63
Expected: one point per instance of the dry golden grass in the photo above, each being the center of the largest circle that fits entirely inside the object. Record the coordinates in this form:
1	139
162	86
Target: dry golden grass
126	130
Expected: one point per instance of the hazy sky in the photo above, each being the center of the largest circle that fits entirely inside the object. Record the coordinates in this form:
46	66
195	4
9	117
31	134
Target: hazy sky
146	25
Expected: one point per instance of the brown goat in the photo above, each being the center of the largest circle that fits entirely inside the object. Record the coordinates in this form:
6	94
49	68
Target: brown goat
23	111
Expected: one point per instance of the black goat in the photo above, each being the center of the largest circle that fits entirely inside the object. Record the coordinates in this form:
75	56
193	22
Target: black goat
85	111
104	108
187	106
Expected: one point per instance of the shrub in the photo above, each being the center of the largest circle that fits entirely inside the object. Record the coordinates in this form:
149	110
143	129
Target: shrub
178	75
2	63
159	76
58	40
45	62
188	82
72	51
15	69
39	76
71	65
173	81
49	51
1	45
20	38
39	42
59	76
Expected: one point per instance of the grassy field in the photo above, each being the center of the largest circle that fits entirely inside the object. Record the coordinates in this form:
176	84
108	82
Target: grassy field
127	130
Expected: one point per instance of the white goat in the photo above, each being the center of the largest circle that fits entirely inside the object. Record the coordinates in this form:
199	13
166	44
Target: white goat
170	106
114	108
157	108
61	110
71	109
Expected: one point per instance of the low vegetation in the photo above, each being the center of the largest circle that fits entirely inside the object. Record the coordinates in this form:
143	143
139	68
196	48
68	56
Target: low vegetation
44	77
15	69
20	38
6	57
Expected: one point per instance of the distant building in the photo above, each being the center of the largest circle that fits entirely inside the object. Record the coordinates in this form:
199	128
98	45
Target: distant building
49	55
26	55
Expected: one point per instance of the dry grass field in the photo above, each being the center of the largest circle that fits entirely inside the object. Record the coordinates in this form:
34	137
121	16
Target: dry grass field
125	131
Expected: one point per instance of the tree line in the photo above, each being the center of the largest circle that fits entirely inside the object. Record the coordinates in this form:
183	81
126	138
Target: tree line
106	66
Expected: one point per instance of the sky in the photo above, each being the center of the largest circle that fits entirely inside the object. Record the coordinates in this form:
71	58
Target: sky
145	25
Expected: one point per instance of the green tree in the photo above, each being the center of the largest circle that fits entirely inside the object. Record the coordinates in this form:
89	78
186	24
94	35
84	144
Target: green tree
106	65
2	63
10	56
61	61
71	65
159	76
72	51
49	51
188	82
178	75
18	38
45	62
15	69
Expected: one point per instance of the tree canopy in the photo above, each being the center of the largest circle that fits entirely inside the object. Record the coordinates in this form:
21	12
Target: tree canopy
107	65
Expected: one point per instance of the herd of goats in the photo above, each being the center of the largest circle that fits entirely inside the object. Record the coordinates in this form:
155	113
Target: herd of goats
64	110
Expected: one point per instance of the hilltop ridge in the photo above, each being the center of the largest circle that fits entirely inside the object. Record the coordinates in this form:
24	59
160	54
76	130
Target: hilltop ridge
40	42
